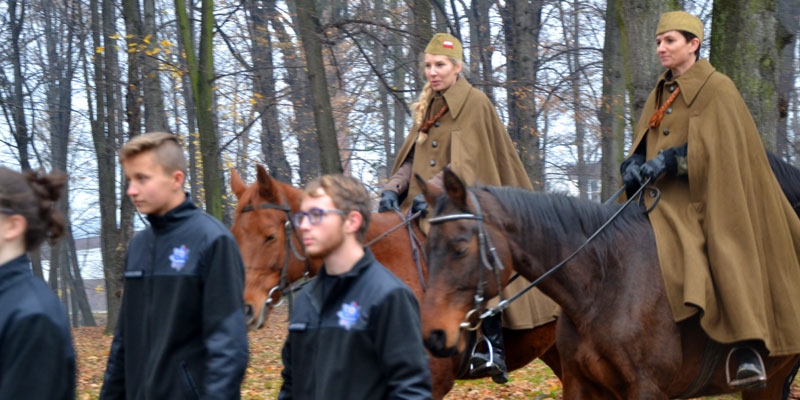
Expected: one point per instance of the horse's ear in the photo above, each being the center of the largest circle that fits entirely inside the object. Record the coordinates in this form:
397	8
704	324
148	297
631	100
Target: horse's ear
237	184
266	184
431	191
455	188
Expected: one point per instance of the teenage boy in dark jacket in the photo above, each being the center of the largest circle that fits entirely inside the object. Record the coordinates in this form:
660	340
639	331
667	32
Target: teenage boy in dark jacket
181	332
354	331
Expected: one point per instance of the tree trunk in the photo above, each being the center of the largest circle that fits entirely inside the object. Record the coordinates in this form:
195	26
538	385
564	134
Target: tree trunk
155	119
423	33
787	32
264	83
308	148
639	23
80	301
16	19
201	71
521	24
612	108
308	31
743	46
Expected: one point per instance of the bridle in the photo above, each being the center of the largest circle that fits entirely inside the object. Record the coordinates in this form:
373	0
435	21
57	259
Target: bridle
283	284
488	257
490	260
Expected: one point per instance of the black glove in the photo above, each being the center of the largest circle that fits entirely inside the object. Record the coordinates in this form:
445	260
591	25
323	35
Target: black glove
629	169
419	204
388	201
666	162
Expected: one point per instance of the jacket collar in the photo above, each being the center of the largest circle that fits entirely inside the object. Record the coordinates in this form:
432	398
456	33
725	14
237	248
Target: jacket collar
456	96
339	282
692	81
11	271
357	269
181	212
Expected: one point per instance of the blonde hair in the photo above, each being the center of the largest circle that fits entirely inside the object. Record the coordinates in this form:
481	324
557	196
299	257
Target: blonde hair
166	147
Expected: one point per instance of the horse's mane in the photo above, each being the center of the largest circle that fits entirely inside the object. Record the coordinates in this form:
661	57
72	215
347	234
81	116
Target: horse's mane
558	214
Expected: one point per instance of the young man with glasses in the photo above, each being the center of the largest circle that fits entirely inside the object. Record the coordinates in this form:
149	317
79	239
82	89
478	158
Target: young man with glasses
354	330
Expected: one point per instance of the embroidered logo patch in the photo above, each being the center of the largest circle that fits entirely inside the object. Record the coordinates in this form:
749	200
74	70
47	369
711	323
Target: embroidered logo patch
179	257
348	315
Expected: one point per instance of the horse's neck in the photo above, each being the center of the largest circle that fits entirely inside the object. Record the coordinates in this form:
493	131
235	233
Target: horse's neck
547	243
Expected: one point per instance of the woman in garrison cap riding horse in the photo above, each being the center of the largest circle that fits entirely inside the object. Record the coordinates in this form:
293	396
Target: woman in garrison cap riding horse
456	125
728	240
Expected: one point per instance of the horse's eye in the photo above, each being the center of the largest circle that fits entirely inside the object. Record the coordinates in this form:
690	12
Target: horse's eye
269	239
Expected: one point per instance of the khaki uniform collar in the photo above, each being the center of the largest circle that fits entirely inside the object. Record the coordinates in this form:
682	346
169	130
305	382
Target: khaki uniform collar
692	81
456	96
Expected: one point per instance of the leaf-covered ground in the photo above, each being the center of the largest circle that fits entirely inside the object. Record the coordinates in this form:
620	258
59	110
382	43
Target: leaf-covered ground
263	378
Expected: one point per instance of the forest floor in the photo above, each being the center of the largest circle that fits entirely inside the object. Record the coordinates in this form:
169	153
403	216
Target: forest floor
263	379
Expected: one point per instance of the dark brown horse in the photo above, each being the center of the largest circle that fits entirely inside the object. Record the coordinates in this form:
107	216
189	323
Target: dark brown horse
271	250
616	334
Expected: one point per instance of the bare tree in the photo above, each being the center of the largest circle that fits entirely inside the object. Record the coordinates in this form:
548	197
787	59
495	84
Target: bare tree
639	23
201	71
787	32
522	26
612	108
308	30
738	25
264	83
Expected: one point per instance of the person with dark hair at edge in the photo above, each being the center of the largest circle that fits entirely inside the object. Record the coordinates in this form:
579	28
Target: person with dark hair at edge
728	240
181	332
354	330
456	125
37	359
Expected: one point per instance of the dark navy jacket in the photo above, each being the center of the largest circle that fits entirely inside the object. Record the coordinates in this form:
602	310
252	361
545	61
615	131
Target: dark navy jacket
37	360
355	336
181	332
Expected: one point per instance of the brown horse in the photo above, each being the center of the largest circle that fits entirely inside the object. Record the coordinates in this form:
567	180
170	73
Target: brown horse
616	334
271	250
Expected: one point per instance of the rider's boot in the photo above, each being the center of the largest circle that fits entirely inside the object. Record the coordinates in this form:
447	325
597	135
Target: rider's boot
750	374
493	362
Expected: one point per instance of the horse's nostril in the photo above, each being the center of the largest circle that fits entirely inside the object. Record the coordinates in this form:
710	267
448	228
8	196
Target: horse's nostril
248	312
435	342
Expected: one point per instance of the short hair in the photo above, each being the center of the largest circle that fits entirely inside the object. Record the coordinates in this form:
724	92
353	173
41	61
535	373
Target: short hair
347	193
33	195
166	147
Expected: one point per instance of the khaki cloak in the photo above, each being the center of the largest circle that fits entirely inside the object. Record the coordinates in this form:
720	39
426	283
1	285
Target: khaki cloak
472	140
727	237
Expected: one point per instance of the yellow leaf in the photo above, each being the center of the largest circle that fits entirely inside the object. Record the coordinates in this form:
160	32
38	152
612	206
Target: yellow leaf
99	49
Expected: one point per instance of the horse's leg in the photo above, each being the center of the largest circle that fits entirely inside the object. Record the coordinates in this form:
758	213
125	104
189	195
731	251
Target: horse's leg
442	376
524	345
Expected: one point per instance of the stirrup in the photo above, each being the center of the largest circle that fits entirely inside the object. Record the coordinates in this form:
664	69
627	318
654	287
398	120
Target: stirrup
756	382
489	357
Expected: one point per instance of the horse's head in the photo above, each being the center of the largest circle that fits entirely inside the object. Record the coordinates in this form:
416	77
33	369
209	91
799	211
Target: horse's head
262	228
465	253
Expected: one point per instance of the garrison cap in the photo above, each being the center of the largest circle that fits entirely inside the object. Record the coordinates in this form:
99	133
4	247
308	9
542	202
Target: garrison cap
445	44
680	21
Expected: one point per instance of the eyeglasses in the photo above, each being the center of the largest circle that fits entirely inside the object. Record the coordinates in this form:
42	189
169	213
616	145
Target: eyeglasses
314	215
7	211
